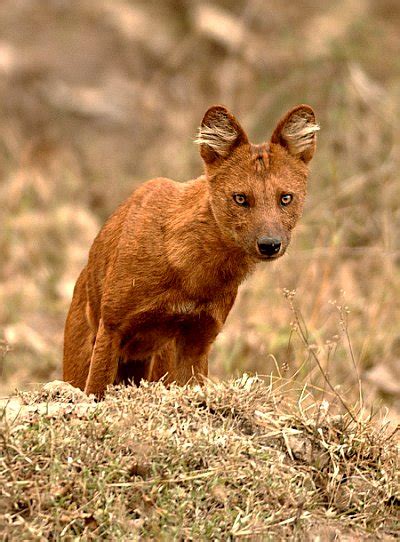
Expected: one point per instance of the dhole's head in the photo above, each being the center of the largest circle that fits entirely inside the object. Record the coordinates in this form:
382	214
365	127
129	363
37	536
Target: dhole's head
257	192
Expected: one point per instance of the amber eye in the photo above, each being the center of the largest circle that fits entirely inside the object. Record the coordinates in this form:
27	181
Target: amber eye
286	199
241	199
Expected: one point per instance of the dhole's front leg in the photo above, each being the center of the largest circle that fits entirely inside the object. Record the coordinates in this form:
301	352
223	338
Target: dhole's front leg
163	364
103	363
192	350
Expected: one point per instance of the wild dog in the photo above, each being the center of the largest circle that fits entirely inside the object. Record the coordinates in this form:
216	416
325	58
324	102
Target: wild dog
164	271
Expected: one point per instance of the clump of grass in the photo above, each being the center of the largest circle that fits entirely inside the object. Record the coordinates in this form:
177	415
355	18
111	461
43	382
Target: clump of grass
245	458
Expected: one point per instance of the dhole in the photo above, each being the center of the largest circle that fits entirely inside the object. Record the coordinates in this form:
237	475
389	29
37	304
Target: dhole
163	272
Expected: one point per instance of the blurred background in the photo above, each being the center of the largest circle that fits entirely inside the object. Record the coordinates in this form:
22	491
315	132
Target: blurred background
97	96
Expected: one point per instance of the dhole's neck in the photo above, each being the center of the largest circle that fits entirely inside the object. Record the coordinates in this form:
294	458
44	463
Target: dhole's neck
196	247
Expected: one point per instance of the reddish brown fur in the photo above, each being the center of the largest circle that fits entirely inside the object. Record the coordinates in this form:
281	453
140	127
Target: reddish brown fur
163	272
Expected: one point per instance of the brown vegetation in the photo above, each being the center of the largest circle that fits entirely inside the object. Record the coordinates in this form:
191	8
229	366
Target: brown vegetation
249	459
96	97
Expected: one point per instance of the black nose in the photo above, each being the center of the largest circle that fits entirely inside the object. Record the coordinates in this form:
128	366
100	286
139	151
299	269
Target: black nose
268	246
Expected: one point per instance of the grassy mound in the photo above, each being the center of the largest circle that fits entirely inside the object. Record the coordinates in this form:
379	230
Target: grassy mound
241	459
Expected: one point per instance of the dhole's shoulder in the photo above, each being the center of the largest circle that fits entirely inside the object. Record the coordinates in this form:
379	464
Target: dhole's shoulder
154	196
158	185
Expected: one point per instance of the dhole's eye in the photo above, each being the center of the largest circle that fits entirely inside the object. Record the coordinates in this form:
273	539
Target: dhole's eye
241	199
286	199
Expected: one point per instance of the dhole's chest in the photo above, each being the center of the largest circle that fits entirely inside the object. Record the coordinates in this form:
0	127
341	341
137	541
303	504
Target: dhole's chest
169	321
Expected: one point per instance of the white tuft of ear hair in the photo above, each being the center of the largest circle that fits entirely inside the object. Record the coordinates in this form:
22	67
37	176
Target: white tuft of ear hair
299	133
219	136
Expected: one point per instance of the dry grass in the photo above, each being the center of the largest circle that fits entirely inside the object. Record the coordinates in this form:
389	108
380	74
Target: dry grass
251	458
79	131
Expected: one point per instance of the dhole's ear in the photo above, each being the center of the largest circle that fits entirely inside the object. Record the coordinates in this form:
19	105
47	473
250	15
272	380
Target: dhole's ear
296	131
219	134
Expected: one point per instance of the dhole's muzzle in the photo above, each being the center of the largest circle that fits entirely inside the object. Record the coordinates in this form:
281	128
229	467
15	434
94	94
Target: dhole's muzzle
269	247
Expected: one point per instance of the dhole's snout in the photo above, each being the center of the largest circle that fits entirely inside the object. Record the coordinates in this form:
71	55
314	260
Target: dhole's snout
269	247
